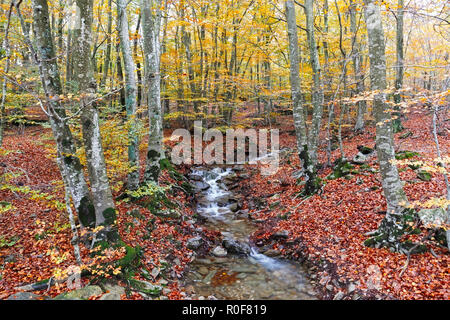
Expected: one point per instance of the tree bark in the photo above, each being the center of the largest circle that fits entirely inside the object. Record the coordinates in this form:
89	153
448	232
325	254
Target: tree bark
105	211
130	93
151	17
392	226
46	59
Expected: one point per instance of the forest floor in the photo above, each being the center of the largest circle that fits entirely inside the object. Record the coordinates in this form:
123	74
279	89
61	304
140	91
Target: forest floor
325	231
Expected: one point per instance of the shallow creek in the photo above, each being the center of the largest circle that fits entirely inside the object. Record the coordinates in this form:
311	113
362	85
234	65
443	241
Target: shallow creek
249	276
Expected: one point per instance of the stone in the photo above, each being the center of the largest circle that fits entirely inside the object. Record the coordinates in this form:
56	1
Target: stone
219	251
234	206
194	243
201	186
195	177
351	287
110	296
282	234
203	270
234	246
360	158
114	288
81	294
211	274
433	217
26	296
338	296
272	253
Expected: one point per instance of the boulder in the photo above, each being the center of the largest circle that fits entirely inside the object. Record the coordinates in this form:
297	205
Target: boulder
195	243
234	206
201	186
237	247
26	296
81	294
219	251
360	158
433	217
195	177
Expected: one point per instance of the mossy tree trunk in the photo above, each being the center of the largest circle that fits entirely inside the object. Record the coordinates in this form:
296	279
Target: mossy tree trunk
309	167
130	93
46	59
85	84
151	17
393	225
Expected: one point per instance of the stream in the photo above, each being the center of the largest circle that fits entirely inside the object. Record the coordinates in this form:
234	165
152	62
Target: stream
238	271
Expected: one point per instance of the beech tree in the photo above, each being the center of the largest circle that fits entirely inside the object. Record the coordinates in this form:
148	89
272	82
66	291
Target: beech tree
131	93
151	20
393	225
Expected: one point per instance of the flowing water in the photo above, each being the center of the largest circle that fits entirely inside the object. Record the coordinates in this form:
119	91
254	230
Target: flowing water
246	276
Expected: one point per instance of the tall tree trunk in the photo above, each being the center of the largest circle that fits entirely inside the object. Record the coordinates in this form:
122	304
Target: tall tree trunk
391	228
317	89
103	202
399	70
130	93
49	73
7	49
107	63
359	76
151	18
298	112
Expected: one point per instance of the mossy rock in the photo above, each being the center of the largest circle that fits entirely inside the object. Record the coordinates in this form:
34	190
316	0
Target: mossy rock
403	155
406	135
365	150
424	175
80	294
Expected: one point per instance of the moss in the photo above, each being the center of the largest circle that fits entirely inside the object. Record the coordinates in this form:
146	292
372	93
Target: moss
403	155
424	175
110	216
86	212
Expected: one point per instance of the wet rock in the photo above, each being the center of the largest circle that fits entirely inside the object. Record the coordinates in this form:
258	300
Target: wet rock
203	270
201	186
26	296
211	274
195	177
351	287
234	246
234	207
219	251
272	253
338	296
194	243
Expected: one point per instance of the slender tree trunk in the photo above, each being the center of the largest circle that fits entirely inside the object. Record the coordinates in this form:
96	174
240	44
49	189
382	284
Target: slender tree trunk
107	63
7	49
359	76
130	91
311	185
317	89
103	202
49	73
391	228
399	70
151	18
